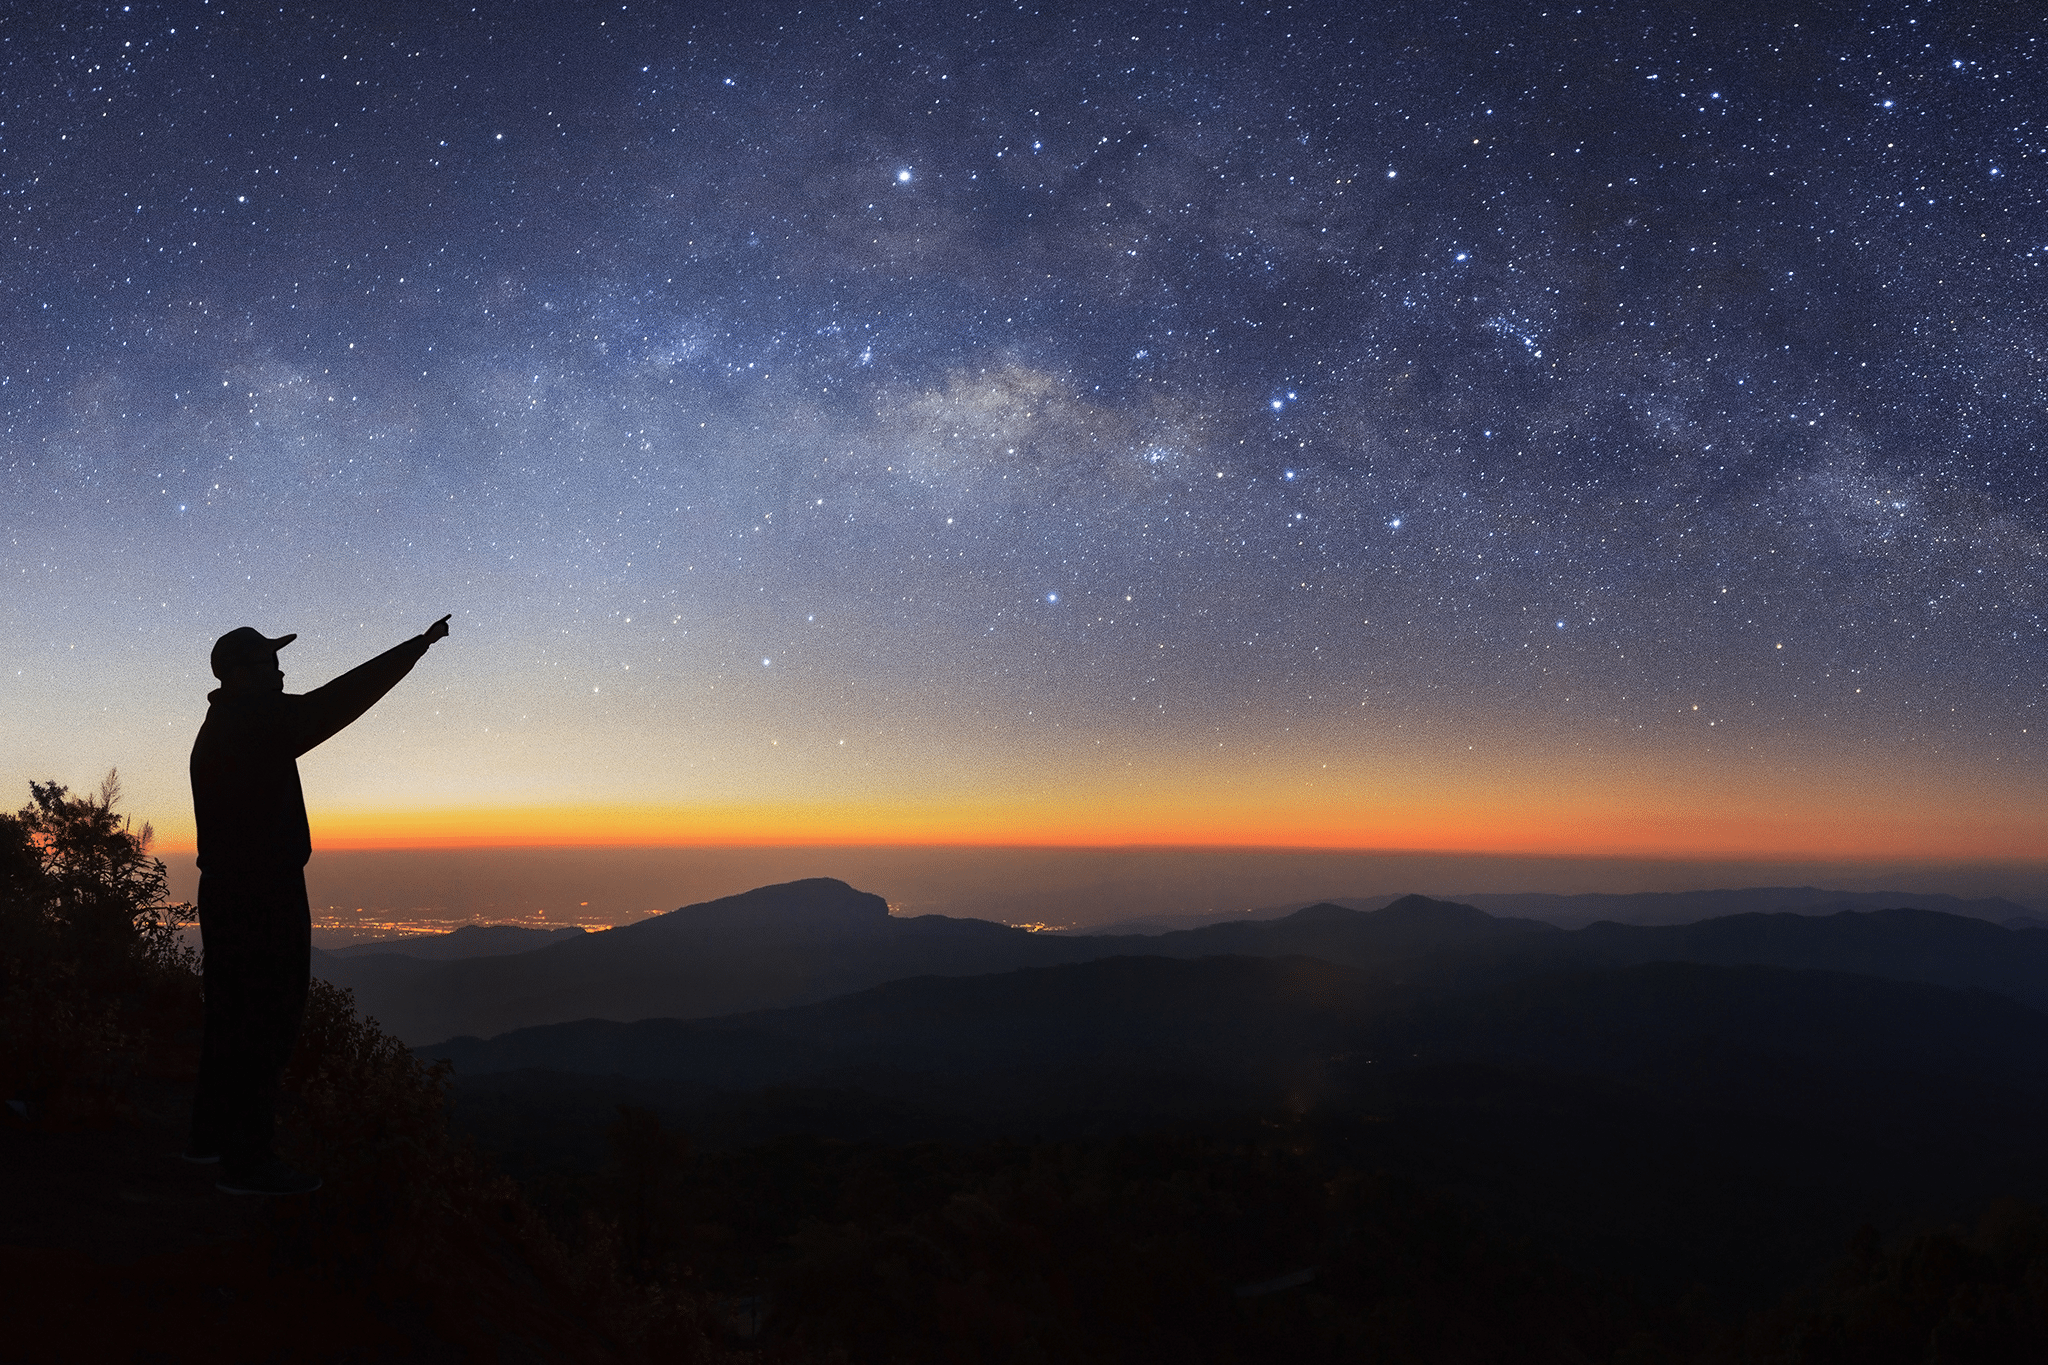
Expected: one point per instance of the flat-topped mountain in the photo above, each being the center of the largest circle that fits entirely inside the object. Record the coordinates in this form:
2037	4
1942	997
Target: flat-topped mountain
786	944
815	907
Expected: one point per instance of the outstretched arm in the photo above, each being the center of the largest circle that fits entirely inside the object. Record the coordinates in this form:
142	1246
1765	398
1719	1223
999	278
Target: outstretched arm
319	714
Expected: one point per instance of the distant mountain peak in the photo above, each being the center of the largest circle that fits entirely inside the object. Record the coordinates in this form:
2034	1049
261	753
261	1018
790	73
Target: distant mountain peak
1413	920
1419	908
813	905
1322	912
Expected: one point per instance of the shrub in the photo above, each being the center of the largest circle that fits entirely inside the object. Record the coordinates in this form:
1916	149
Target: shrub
413	1214
92	963
80	878
1938	1296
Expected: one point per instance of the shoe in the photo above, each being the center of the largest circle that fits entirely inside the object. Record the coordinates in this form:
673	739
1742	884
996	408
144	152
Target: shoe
201	1157
272	1177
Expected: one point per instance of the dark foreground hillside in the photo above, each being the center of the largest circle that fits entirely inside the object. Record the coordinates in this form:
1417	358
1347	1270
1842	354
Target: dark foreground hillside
1664	1127
115	1249
1276	1239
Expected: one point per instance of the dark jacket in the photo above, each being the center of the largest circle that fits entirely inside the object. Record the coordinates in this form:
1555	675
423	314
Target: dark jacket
245	778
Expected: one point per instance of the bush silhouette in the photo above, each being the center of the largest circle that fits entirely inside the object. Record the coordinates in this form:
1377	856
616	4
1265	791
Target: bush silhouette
1953	1296
93	971
413	1214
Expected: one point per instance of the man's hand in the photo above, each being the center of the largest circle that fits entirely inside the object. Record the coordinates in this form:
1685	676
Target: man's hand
439	630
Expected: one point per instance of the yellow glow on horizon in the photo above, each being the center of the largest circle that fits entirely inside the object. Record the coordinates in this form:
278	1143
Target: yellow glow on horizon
1471	792
1638	824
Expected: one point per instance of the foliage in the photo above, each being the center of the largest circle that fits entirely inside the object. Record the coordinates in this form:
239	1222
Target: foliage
93	969
1948	1296
412	1212
649	1163
77	881
1191	1247
1177	1249
1164	1247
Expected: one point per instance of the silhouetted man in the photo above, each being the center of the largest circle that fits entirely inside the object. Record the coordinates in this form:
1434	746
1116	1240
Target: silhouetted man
253	916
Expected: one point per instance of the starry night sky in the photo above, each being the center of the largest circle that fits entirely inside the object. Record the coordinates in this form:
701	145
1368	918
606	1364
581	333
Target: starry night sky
1453	426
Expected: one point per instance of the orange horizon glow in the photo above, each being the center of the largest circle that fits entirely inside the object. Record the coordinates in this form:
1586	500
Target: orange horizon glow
1564	830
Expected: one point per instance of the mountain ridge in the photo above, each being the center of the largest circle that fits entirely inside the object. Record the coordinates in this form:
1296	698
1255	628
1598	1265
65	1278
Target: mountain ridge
1269	1028
804	942
1688	907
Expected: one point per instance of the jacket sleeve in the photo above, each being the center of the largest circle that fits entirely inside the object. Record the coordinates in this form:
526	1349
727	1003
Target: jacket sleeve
319	714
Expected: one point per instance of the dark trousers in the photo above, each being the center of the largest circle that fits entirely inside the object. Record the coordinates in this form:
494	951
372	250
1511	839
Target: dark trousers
258	935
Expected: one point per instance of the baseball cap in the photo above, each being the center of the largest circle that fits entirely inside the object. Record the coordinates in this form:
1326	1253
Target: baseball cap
244	645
